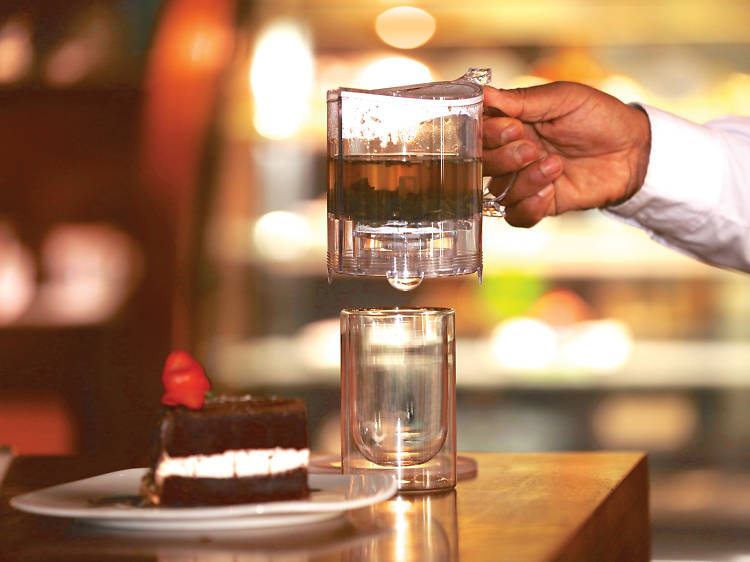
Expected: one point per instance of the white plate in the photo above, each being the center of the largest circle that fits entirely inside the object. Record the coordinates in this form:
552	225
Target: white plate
94	500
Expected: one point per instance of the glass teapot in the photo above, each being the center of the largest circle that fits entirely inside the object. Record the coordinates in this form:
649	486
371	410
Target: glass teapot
405	196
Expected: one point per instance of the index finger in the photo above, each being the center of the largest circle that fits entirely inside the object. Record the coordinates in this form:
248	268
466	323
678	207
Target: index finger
537	103
501	102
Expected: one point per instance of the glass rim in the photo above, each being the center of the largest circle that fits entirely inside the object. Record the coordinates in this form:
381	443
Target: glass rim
390	311
334	96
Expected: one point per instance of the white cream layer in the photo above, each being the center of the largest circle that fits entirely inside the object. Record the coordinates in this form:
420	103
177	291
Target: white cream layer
232	464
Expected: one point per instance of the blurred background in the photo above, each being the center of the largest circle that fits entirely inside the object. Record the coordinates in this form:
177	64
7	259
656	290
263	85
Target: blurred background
162	185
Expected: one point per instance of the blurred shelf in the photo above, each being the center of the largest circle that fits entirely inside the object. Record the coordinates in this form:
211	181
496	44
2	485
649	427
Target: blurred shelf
718	495
284	361
652	364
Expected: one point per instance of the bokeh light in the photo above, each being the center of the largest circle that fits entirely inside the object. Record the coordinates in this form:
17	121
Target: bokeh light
70	62
281	77
17	277
90	271
405	27
281	236
601	345
393	71
16	51
623	88
524	343
320	344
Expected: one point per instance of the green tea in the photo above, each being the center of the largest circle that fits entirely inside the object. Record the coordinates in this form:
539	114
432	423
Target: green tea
404	189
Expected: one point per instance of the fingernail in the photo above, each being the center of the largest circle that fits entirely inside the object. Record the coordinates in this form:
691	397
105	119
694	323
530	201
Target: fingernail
549	166
524	154
546	190
511	133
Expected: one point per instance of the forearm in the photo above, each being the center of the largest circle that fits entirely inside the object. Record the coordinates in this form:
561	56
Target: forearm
696	192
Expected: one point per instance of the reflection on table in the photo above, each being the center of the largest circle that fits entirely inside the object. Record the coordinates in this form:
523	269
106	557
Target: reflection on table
533	507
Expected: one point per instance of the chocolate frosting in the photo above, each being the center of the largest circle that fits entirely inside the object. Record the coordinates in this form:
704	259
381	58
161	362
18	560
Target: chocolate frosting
230	423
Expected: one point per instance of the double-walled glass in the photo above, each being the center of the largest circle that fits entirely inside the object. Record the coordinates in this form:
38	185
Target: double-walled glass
398	395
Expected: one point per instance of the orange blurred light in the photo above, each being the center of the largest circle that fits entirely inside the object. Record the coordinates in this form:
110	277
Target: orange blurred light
570	64
561	307
208	47
16	51
405	27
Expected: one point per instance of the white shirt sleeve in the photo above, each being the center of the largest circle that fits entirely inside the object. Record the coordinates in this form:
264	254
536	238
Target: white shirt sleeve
696	194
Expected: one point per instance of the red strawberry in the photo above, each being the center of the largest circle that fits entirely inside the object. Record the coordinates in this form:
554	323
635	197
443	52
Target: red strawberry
184	381
178	360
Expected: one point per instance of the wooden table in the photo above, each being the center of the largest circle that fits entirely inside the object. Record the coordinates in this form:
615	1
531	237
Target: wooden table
520	507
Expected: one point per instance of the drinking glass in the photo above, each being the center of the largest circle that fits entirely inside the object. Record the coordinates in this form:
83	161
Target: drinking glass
398	387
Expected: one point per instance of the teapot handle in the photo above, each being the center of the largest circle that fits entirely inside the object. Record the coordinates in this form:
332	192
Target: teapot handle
492	205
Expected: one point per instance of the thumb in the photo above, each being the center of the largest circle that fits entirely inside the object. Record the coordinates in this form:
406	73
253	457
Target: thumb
534	104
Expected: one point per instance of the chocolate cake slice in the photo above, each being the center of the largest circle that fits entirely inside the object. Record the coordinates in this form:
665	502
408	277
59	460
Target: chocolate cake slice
232	450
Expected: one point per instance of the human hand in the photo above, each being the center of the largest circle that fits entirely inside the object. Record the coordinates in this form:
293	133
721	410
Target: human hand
574	147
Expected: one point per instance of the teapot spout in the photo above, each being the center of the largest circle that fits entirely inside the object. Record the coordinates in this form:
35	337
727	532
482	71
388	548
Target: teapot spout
481	76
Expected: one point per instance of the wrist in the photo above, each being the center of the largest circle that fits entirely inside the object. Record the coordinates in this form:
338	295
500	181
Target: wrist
640	151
